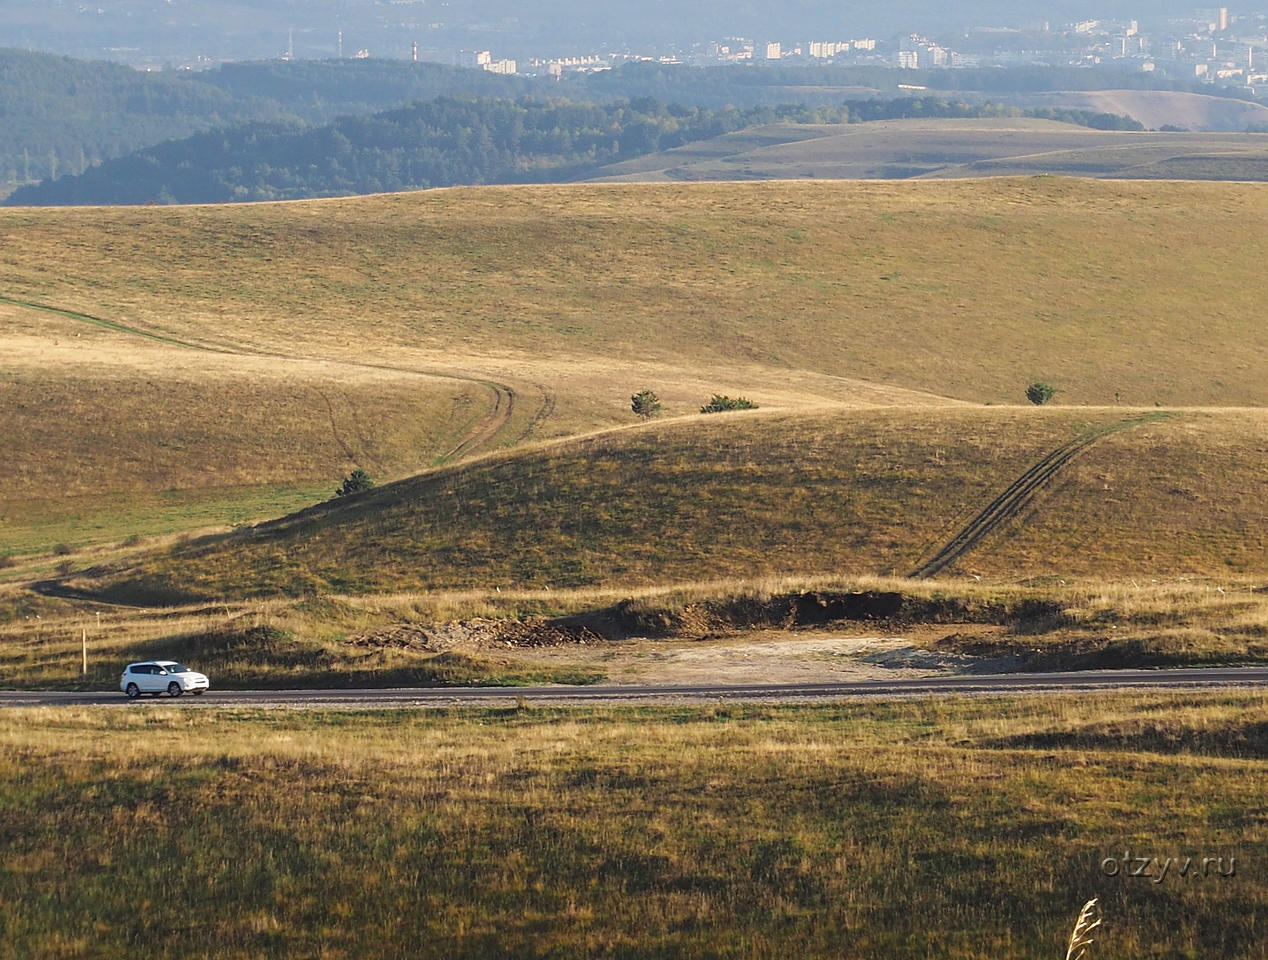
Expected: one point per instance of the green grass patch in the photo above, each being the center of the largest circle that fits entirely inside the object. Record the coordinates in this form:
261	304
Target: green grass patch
82	521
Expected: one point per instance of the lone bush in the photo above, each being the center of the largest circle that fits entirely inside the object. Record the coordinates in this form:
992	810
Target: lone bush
1040	393
721	404
357	481
645	403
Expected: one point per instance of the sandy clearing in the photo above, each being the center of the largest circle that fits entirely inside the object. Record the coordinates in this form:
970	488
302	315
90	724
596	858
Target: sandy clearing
763	657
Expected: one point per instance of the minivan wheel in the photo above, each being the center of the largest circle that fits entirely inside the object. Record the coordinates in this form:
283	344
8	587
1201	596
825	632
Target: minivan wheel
133	691
173	689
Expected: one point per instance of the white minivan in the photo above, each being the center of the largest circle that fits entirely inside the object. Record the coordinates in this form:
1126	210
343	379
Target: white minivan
159	676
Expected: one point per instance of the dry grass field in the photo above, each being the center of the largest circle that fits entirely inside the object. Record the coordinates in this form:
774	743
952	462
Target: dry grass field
965	290
932	829
762	494
181	388
262	350
193	369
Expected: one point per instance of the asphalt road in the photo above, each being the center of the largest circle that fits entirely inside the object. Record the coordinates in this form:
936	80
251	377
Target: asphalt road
989	684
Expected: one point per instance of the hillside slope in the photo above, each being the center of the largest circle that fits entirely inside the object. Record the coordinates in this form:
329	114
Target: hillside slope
902	149
1159	108
213	366
761	494
115	432
1148	293
438	143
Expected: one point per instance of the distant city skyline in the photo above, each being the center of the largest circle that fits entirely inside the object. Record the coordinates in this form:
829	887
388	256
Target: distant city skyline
184	33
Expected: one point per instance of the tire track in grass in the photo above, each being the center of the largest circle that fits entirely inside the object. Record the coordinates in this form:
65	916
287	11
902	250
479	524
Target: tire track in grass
477	437
334	429
490	426
1018	494
116	327
544	413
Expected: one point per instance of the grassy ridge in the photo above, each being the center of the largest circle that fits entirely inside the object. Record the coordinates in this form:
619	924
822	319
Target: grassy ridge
758	494
895	284
930	829
1164	495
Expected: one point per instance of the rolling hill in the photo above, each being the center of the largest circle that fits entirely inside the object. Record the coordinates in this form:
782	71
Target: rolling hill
1159	108
1095	286
935	149
759	495
171	369
442	142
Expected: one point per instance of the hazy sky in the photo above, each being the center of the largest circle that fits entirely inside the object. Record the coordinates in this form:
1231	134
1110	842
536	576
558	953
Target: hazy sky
133	29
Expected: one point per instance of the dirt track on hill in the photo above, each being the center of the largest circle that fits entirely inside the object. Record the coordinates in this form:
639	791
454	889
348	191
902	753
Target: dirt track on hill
1019	493
480	434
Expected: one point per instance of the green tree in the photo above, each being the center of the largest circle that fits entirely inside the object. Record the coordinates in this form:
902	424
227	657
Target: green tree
721	404
355	482
1040	393
645	403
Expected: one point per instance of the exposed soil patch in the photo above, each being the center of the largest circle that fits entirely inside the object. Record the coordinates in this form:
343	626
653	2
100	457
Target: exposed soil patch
895	612
766	656
480	634
790	637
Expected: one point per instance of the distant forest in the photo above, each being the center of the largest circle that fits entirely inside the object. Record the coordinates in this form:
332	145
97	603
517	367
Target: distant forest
450	141
442	142
62	117
59	116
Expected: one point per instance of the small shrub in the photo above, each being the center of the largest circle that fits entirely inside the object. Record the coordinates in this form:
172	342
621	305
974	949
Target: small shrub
62	550
6	561
358	481
1040	393
721	404
645	403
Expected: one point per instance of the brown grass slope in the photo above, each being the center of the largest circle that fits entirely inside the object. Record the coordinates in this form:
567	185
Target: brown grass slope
270	348
761	494
968	290
116	433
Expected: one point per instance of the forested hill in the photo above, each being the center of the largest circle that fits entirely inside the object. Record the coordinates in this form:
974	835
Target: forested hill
58	115
442	142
